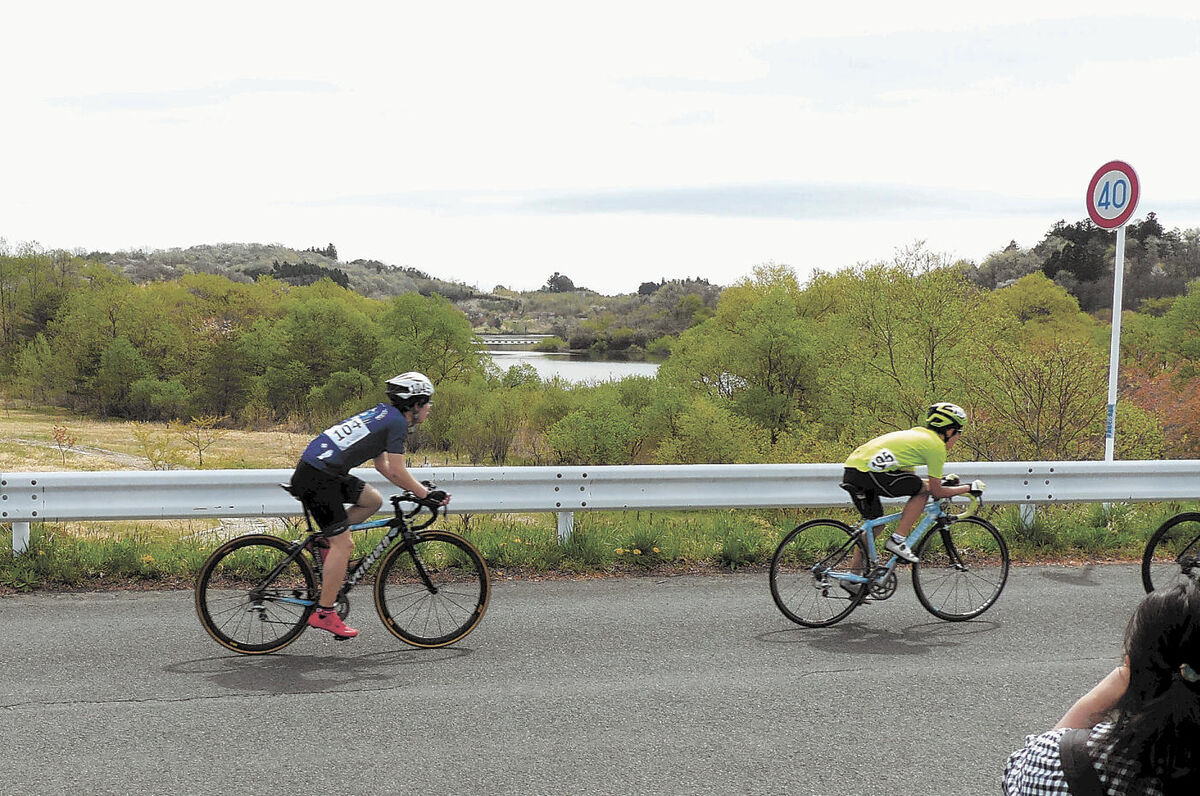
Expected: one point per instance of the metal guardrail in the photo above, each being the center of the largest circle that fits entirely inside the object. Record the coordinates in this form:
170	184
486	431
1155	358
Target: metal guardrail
131	495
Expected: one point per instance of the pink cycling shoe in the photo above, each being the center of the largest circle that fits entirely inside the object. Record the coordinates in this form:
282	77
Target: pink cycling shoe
327	619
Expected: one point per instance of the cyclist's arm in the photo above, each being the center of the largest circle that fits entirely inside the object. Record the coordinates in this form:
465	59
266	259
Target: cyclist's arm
391	466
939	491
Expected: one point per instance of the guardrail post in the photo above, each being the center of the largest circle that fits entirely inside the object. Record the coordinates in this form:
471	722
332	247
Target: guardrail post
566	524
20	541
1028	513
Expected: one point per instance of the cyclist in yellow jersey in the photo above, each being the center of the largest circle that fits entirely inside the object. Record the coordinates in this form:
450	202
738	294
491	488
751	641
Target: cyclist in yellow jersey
884	466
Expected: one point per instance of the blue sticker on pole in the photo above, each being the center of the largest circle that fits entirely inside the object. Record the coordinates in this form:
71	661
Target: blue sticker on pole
1111	425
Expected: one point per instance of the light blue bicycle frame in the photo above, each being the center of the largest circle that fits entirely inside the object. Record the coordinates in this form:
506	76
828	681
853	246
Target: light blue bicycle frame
867	528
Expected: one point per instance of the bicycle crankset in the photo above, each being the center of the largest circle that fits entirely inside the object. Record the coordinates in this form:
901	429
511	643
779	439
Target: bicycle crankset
882	589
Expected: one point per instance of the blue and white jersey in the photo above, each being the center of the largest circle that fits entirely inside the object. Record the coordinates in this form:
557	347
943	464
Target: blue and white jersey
356	439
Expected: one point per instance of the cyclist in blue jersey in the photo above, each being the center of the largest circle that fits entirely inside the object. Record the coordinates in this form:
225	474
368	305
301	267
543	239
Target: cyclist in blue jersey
323	481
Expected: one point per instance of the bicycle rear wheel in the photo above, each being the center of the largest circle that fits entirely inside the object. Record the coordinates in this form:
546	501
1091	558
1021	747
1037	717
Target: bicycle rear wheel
800	583
241	612
1172	555
963	569
442	610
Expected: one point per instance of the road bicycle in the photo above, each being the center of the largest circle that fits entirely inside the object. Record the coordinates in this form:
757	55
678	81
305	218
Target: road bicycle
255	593
1173	553
817	579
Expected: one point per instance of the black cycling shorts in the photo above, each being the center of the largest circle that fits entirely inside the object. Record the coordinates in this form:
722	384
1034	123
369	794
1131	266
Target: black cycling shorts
326	496
876	485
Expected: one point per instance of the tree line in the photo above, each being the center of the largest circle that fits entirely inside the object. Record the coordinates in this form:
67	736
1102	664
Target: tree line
774	370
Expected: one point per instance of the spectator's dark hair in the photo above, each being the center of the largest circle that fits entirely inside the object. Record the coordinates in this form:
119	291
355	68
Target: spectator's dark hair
1158	717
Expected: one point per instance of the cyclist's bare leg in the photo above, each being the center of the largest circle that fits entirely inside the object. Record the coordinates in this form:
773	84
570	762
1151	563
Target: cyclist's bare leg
369	501
908	519
912	512
341	546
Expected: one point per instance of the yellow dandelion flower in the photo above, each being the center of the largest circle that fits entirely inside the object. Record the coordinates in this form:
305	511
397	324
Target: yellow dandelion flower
637	552
517	540
620	551
147	559
654	549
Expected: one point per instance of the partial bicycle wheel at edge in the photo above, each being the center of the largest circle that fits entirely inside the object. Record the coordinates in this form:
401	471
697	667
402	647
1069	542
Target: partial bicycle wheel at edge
800	584
425	617
1172	555
240	616
963	569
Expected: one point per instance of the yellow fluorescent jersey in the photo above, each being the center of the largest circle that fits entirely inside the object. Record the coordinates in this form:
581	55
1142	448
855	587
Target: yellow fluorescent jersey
901	450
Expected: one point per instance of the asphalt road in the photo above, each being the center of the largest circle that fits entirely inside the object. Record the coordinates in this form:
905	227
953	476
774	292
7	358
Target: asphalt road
689	684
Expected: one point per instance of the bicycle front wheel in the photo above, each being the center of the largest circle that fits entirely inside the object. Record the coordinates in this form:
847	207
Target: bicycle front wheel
433	592
244	613
801	584
1173	553
963	569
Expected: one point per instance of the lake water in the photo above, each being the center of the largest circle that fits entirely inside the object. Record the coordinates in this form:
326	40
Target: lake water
572	369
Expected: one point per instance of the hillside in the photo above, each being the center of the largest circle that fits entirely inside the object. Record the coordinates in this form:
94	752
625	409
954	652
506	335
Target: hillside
578	316
243	262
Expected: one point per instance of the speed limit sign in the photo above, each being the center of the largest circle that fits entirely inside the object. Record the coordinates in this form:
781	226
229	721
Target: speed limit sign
1113	194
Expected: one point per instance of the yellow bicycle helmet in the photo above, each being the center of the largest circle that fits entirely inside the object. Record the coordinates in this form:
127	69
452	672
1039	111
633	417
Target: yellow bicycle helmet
944	416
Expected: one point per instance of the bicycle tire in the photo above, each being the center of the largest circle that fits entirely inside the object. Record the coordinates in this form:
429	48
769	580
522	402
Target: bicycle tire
962	569
1172	555
799	586
246	622
424	618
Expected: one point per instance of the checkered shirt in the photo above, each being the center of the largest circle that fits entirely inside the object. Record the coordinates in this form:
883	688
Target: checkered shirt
1036	769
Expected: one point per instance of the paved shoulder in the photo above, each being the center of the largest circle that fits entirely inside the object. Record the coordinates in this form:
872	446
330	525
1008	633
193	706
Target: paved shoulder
657	685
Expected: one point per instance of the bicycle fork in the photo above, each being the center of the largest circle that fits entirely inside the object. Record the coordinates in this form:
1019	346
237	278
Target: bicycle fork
410	546
952	553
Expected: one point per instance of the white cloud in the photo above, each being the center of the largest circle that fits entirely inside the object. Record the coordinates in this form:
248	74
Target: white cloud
613	143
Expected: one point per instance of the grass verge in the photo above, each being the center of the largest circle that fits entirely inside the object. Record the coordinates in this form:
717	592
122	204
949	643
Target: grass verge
104	555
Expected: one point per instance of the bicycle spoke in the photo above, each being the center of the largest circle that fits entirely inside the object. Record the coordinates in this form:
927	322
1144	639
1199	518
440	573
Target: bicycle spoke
963	569
803	584
432	618
234	607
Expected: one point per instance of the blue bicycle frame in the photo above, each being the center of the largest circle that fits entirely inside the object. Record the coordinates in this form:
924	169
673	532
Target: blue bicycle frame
932	513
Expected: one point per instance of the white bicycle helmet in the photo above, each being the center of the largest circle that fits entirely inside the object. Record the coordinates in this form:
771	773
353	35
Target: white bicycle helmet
409	389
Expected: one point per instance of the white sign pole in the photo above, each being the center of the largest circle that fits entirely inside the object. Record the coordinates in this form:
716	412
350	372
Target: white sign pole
1111	199
1114	348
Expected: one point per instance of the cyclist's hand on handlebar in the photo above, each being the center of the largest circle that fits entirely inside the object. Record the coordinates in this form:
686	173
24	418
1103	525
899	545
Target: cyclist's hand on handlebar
977	487
436	498
951	480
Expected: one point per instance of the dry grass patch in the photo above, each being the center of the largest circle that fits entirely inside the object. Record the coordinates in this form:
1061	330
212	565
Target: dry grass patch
27	444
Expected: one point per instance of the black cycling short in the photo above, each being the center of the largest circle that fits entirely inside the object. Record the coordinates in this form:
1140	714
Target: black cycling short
873	486
326	495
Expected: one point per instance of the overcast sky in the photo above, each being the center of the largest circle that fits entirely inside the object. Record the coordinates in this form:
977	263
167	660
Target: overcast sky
617	143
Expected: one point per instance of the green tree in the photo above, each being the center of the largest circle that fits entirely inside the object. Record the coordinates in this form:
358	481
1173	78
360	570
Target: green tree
892	334
120	366
344	392
559	283
427	334
758	352
709	433
157	399
1037	403
598	433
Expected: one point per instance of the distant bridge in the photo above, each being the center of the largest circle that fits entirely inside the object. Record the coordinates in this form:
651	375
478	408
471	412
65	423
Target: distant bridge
490	340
